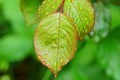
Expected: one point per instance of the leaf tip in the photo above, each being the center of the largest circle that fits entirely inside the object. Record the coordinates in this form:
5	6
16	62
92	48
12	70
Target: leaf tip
81	38
55	75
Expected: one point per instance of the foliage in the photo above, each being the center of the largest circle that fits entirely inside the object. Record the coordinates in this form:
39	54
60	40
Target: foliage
97	58
69	18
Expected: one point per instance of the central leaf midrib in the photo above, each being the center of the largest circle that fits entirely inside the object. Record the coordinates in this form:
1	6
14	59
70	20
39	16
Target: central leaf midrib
58	40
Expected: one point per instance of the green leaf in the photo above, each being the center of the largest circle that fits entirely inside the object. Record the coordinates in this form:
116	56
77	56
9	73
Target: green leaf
85	55
29	9
116	33
102	22
55	41
82	13
15	47
71	74
90	72
48	7
94	72
4	66
109	56
115	13
14	16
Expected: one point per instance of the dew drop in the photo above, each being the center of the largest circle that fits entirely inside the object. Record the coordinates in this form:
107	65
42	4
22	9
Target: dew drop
48	66
68	7
92	33
54	44
43	2
109	71
85	19
92	16
46	13
65	40
86	31
75	48
45	56
48	37
87	23
48	60
53	7
39	57
91	24
43	62
69	0
55	64
81	8
61	60
42	44
97	38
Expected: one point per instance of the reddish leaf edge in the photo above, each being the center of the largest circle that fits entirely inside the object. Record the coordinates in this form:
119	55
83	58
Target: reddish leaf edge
81	38
51	12
72	55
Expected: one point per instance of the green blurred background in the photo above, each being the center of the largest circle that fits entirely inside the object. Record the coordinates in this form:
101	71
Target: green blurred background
97	58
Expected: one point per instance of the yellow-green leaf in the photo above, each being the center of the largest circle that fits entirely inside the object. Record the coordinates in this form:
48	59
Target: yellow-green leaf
48	7
29	9
55	41
82	13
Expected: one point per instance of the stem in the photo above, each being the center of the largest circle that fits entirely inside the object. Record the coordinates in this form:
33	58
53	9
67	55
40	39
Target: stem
61	7
47	75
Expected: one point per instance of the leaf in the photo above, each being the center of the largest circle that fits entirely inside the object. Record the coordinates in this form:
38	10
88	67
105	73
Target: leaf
15	47
12	13
85	55
115	13
4	66
102	22
115	33
55	41
29	9
89	72
82	13
48	7
94	72
109	56
14	16
71	74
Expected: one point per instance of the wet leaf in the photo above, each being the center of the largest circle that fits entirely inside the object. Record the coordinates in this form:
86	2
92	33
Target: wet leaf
29	9
55	41
82	13
47	7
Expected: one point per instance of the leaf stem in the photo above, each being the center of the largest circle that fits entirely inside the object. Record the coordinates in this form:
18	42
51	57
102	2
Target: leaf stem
61	7
47	75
